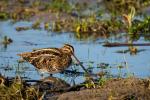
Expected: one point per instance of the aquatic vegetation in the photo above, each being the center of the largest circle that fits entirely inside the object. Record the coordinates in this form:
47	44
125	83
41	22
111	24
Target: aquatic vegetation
82	27
102	81
63	25
22	13
117	7
47	26
22	1
6	40
36	3
139	29
141	26
89	83
128	18
36	25
60	5
57	26
4	15
90	27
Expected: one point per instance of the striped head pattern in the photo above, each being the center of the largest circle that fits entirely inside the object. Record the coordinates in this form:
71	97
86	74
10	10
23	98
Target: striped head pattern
67	48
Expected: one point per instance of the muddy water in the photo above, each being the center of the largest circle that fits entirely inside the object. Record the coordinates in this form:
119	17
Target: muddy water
91	53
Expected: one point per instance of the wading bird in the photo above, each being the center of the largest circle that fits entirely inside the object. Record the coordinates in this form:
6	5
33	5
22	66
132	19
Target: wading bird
51	60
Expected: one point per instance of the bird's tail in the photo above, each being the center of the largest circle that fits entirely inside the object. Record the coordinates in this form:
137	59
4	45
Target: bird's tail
24	55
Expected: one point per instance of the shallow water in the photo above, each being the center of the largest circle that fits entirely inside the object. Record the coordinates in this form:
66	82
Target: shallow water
90	52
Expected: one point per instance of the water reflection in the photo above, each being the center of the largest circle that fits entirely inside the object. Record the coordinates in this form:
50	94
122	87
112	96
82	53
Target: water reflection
51	83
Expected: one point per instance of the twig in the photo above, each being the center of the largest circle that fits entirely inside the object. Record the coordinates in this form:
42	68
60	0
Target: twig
125	44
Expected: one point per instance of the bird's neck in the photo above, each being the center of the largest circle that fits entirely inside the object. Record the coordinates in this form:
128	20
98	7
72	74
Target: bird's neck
65	51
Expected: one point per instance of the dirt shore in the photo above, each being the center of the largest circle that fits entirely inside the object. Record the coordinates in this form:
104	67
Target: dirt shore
114	89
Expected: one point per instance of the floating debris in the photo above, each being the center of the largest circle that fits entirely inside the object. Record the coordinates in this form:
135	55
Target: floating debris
21	28
125	44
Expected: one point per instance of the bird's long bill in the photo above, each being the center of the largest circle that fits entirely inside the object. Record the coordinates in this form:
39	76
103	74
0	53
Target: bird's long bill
80	63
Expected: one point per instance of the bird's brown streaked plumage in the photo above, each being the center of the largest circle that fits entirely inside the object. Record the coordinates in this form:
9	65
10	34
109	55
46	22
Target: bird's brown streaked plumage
50	60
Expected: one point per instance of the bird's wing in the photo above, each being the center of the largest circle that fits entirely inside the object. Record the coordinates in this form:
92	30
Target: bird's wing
44	60
45	51
43	57
48	62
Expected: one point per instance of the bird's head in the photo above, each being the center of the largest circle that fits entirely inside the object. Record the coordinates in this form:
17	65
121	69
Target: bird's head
67	48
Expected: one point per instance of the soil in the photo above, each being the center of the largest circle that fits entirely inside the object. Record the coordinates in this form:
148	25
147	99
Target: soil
113	89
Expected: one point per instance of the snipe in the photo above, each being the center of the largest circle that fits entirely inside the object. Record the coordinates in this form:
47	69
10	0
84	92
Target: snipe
51	60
